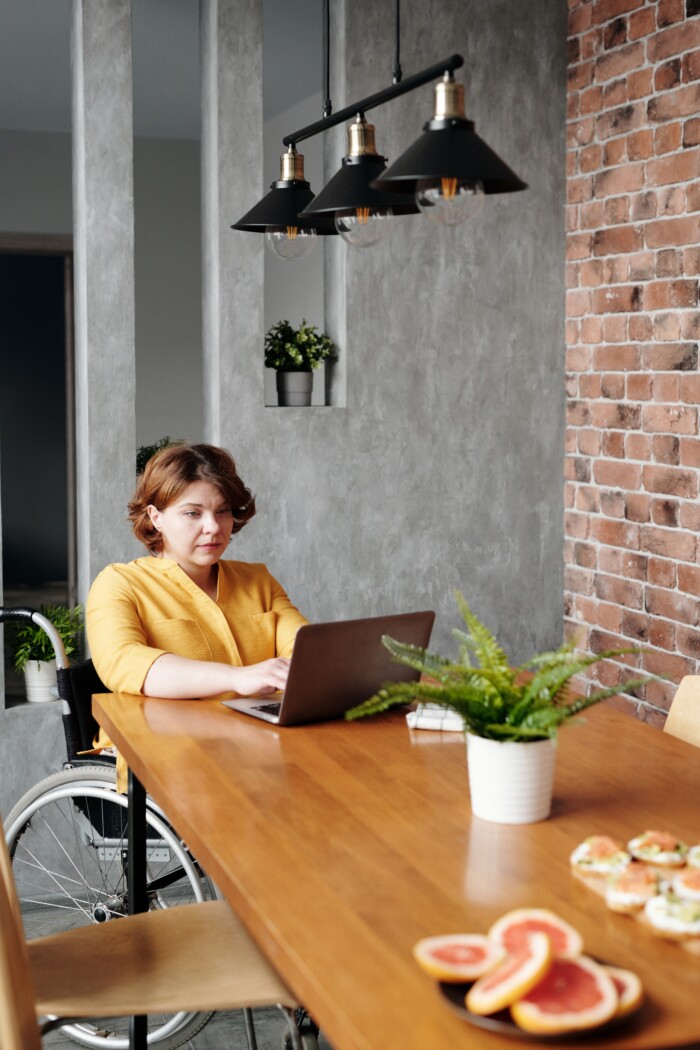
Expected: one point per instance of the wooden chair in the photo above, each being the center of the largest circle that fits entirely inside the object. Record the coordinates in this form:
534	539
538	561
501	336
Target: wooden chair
194	957
683	718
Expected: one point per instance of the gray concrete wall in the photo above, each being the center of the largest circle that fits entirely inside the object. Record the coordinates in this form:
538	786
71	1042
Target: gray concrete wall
445	469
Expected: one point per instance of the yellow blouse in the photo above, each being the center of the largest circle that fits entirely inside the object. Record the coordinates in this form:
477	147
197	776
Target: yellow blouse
138	611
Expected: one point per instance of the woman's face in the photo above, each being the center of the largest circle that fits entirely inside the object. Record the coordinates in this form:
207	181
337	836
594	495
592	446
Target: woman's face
196	527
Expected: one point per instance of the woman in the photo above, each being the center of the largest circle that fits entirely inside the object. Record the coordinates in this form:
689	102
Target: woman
184	623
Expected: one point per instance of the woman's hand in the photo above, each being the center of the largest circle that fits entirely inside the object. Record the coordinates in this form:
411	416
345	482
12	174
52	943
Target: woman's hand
261	679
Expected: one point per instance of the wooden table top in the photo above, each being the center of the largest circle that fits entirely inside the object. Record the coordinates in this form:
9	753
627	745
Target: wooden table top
342	844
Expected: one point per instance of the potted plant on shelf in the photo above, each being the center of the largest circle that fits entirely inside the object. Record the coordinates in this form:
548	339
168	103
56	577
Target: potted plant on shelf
511	714
295	353
33	651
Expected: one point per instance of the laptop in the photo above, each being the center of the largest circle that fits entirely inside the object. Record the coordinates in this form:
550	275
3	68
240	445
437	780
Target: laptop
335	666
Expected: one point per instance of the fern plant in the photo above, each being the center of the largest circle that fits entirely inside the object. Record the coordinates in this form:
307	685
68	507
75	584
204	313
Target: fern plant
496	700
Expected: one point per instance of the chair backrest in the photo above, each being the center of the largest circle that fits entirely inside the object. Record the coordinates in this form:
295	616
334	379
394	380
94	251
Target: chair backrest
18	1025
84	681
683	718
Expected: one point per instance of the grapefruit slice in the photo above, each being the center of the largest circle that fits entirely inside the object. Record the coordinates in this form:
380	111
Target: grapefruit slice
457	956
514	977
574	994
628	988
512	930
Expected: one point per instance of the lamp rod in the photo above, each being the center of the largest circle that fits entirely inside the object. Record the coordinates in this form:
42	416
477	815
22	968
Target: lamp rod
409	84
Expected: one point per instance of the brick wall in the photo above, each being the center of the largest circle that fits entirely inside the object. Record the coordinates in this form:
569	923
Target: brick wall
632	529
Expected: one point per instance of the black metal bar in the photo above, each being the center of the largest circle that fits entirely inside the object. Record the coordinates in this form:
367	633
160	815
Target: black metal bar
327	104
136	884
410	84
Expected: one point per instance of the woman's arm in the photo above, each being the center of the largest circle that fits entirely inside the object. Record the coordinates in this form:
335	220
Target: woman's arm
177	678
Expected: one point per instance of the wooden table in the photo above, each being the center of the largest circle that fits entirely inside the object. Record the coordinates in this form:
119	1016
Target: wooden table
341	844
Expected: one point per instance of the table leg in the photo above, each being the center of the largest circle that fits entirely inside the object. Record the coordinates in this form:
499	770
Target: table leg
136	882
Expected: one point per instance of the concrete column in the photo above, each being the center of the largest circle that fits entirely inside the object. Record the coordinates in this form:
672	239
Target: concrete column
103	202
232	144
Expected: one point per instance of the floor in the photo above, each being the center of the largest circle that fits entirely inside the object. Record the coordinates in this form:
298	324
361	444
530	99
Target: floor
225	1031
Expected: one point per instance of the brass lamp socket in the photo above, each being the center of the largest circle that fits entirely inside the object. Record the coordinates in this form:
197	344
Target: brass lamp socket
291	166
449	99
361	139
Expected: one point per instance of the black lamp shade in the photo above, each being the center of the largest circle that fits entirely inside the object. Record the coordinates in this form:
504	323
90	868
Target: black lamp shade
449	149
281	207
350	188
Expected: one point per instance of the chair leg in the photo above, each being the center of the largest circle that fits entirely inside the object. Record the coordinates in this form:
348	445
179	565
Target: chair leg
294	1033
250	1028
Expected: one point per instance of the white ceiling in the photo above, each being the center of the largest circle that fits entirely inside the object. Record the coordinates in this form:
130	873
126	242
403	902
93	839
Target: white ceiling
35	78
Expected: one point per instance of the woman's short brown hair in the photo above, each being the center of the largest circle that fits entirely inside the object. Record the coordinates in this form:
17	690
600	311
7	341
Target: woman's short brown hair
168	473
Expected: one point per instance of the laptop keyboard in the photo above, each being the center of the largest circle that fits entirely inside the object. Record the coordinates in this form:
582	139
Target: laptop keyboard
269	709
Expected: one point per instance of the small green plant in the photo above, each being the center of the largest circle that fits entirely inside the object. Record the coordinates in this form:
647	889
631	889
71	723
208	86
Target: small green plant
497	701
32	643
145	452
302	349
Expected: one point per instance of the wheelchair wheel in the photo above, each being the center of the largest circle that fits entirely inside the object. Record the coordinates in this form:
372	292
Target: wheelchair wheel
67	837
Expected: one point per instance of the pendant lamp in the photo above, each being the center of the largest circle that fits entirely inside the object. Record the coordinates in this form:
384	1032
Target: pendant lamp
362	215
449	168
277	215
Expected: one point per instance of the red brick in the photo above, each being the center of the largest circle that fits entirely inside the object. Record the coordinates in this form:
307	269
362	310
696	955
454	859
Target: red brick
579	581
615	533
640	328
618	239
578	413
584	554
634	625
644	205
614	152
691	132
615	329
668	75
576	468
683	102
690	452
661	573
637	507
642	266
620	61
671	201
690	517
639	387
590	386
629	593
579	246
674	41
640	83
680	357
591	216
664	295
570	440
571	275
603	10
572	107
665	512
691	260
612	386
641	23
667	326
668	12
591	329
690	389
579	76
688	641
637	446
662	634
578	303
591	273
624	179
589	442
614	94
614	444
681	167
579	19
667	139
672	232
576	525
580	133
578	359
668	543
573	51
620	299
671	605
609	617
689	579
675	667
665	387
615	33
690	325
617	474
591	100
616	415
669	419
571	211
691	65
621	120
590	158
669	263
572	332
692	197
588	498
578	190
666	449
612	504
633	566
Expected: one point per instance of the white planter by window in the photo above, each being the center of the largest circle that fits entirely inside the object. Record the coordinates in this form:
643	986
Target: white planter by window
40	681
510	783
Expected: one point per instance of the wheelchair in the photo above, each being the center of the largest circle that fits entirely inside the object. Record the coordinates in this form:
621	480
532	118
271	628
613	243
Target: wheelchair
67	838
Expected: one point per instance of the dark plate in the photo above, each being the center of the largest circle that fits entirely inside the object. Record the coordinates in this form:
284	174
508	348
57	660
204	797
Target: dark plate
503	1024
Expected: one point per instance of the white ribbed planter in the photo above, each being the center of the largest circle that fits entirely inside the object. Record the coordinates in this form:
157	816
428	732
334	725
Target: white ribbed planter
294	389
510	783
40	681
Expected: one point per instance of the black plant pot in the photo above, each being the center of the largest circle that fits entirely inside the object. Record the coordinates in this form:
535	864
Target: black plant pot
294	389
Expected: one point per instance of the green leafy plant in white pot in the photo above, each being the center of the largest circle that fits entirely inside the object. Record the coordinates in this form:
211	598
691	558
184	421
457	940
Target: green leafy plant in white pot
295	353
511	714
34	654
